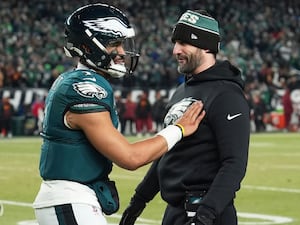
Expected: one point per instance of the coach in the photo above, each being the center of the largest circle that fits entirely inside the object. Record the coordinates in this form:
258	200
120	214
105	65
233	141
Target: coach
201	175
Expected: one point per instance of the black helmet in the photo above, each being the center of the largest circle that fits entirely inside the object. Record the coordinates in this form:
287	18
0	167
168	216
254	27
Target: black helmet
90	29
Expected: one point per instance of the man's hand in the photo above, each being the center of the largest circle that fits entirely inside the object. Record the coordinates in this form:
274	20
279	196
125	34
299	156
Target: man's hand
191	119
132	212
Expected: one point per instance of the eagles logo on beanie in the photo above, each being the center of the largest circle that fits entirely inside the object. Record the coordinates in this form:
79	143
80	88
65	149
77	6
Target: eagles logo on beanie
199	30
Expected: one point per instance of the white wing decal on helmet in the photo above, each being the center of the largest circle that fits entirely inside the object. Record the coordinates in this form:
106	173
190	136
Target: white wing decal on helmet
90	90
109	25
177	110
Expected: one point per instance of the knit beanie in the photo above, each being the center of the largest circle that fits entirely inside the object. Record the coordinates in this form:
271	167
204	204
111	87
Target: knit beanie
198	30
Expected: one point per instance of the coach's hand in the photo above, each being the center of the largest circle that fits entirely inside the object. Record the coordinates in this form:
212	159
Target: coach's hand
191	118
132	212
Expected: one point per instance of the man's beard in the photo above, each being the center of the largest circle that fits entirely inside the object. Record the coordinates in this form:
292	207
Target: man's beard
191	64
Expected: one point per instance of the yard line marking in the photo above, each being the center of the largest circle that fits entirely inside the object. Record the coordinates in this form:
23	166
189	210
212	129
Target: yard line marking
282	166
127	177
16	203
286	154
265	188
267	219
286	167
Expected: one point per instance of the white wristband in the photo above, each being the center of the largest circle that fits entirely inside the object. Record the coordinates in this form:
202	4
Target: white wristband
172	134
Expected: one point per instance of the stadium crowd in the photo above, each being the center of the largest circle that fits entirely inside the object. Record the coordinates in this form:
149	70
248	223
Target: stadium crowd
261	37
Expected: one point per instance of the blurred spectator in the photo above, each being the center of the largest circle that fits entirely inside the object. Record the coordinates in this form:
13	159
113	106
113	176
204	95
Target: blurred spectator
129	115
159	110
143	116
37	111
6	114
294	90
260	112
120	109
1	79
287	108
256	32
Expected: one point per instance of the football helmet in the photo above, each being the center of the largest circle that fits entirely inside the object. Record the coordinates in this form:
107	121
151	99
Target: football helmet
91	28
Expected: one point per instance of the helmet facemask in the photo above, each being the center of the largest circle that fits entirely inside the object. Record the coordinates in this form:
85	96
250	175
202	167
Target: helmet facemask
130	58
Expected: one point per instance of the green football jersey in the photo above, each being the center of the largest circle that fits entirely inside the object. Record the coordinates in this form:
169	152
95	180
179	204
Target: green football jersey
66	154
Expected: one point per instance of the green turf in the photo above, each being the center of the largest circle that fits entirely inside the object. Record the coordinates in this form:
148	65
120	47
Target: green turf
271	186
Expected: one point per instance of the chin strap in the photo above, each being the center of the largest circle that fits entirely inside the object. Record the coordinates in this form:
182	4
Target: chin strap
117	70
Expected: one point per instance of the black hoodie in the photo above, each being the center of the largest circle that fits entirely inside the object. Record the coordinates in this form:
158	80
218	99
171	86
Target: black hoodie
215	157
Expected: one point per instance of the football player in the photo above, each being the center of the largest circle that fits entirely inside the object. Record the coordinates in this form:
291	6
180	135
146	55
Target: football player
80	136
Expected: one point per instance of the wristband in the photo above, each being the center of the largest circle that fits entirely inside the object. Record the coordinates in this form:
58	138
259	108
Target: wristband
181	128
172	134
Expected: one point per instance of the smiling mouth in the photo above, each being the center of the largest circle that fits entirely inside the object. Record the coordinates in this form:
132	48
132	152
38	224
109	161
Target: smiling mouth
181	60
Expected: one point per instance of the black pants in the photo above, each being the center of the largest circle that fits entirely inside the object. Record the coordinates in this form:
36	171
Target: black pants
177	216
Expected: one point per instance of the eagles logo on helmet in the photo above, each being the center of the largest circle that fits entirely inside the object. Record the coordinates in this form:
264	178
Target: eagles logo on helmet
90	29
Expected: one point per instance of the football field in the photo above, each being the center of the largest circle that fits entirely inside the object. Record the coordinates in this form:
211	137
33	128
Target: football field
270	192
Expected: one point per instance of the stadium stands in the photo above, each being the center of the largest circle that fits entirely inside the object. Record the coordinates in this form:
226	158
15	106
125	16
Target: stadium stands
261	37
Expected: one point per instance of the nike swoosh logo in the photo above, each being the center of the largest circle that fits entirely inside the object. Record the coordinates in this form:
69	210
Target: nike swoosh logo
229	117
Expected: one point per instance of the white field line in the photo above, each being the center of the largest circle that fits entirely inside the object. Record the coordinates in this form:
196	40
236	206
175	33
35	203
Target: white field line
128	177
277	167
6	202
263	219
285	154
276	189
270	144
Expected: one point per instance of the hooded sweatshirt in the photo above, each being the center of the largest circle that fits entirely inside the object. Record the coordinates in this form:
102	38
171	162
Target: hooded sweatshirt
214	158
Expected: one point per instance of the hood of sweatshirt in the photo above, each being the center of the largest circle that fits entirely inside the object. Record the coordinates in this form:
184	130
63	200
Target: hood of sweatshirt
222	70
